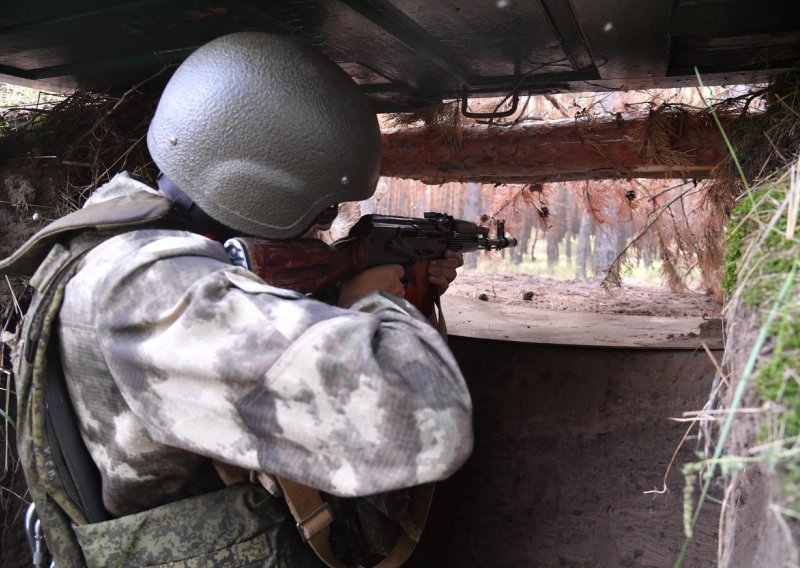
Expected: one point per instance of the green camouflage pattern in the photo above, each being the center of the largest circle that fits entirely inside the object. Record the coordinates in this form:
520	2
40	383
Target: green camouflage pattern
42	462
241	525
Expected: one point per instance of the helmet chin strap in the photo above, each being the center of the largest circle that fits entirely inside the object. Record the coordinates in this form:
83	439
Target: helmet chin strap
196	219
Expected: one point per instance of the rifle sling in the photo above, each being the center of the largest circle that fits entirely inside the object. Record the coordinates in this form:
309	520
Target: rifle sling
314	517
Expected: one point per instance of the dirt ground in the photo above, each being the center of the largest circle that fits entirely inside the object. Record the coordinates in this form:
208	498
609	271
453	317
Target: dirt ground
548	293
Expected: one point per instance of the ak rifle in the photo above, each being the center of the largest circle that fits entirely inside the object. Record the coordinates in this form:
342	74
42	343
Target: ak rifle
312	266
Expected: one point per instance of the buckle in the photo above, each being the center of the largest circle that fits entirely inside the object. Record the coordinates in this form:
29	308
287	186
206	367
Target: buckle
315	521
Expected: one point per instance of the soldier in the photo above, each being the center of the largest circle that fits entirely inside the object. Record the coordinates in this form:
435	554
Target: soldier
192	378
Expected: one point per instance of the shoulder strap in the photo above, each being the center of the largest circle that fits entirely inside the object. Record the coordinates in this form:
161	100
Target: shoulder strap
47	475
314	517
77	469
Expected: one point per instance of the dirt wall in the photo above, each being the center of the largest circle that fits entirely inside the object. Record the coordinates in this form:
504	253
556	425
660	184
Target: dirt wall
568	439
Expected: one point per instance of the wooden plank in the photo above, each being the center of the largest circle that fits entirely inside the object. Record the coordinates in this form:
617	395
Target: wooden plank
484	320
628	38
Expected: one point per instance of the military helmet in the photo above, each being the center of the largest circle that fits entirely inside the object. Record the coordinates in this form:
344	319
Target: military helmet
264	133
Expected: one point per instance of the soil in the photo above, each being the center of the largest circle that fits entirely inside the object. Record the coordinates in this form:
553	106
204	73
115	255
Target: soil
573	460
582	295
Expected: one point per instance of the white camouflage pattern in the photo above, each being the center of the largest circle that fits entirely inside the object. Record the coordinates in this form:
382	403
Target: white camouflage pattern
174	358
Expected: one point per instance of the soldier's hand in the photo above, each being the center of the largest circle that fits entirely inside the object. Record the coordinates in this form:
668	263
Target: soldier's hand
385	278
442	271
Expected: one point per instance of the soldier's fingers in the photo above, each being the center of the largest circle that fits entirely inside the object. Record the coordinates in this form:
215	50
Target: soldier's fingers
446	274
384	278
455	256
450	260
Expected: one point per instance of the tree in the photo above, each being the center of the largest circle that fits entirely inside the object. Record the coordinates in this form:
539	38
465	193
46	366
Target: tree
472	212
605	244
584	245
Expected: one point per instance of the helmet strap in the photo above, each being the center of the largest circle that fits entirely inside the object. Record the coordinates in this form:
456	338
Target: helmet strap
197	220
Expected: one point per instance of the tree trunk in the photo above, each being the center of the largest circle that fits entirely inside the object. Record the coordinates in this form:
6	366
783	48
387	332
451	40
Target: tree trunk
552	248
569	221
605	244
523	238
584	245
472	213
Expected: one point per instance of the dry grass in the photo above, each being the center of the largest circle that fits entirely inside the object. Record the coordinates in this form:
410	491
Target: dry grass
13	491
88	137
443	120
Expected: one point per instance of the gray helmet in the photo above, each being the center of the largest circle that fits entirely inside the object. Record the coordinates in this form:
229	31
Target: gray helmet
263	134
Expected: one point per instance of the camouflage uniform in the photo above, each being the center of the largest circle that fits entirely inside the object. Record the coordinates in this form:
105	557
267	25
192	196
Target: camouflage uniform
175	358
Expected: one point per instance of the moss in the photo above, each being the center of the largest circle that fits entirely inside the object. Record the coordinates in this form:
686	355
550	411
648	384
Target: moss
770	143
730	271
756	267
789	472
752	212
776	379
763	290
776	376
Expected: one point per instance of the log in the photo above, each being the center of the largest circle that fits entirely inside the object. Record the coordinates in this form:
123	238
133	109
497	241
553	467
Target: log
668	147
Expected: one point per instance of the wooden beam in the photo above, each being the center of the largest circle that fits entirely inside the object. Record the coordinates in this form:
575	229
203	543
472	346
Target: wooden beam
660	146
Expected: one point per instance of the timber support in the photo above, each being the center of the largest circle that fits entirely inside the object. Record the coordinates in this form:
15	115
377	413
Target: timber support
658	146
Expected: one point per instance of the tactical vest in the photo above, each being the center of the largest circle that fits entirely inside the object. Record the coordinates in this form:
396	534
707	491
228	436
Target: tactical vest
240	525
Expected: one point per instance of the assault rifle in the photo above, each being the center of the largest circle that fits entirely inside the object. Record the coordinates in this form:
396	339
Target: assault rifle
311	266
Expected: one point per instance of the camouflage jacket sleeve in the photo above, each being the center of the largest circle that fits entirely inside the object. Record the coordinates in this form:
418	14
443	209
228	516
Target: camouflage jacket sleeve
214	361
